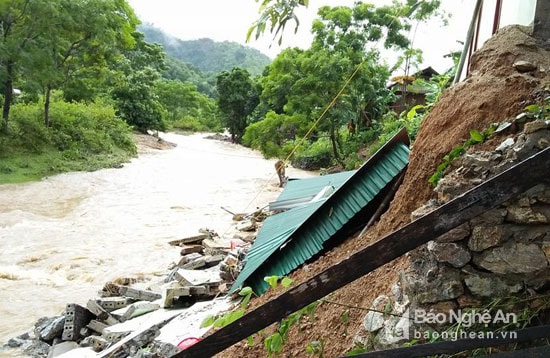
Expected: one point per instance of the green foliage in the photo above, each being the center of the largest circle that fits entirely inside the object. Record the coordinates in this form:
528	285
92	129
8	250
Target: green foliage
186	108
206	55
531	112
313	154
339	81
136	102
274	342
316	348
81	137
275	14
229	317
535	111
272	133
358	348
274	280
237	100
475	138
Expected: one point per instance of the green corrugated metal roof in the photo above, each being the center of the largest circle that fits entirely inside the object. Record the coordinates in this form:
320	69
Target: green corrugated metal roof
288	239
300	192
295	189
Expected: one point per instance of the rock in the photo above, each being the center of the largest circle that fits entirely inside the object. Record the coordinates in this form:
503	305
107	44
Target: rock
530	144
450	186
509	142
523	66
468	301
535	126
456	234
373	321
445	285
491	217
38	349
17	342
396	330
189	249
539	194
490	285
451	253
439	308
53	329
62	348
486	236
424	209
527	233
536	214
513	258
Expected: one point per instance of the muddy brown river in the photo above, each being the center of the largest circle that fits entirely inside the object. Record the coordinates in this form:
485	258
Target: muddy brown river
62	238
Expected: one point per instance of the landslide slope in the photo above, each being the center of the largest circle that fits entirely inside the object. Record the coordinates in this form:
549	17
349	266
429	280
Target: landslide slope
494	91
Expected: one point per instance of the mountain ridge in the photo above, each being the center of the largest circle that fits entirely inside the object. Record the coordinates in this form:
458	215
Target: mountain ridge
206	54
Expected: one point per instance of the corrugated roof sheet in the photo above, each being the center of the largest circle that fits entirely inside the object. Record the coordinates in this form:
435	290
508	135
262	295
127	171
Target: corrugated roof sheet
288	239
300	192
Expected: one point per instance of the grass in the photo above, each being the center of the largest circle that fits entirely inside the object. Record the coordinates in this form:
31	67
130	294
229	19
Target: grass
22	166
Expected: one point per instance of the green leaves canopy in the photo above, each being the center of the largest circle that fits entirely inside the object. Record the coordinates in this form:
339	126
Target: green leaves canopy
237	98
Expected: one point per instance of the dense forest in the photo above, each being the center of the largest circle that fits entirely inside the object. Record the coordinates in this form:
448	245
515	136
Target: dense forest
73	92
207	55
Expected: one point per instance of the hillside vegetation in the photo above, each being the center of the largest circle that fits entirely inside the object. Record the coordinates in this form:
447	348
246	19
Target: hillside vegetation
208	55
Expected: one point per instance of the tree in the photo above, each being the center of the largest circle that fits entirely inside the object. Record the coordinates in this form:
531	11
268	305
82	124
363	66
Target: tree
237	98
183	102
20	25
136	76
86	34
341	79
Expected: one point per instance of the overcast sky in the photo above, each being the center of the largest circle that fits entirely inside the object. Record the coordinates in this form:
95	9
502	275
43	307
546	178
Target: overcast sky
229	20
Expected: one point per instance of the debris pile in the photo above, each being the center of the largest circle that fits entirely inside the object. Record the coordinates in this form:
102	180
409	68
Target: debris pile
128	315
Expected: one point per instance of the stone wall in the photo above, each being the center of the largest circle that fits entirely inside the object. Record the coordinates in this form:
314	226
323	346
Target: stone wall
504	252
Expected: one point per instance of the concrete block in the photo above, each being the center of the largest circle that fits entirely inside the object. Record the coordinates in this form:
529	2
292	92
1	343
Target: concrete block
76	318
213	260
189	249
140	295
112	303
139	308
101	313
189	240
97	326
195	264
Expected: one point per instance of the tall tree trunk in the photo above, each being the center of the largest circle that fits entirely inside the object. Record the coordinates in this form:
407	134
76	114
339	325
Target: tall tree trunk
8	96
47	105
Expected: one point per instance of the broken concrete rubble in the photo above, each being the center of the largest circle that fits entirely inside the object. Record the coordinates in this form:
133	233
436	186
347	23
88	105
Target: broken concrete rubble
128	316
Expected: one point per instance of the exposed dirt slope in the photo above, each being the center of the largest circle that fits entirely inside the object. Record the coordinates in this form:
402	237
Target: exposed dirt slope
494	91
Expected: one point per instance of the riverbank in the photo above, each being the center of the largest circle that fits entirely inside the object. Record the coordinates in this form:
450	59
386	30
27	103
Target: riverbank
81	138
65	236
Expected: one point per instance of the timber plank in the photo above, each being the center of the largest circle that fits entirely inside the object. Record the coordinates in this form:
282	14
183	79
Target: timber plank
494	191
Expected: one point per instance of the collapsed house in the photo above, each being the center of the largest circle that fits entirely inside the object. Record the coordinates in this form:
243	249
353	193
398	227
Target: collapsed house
315	214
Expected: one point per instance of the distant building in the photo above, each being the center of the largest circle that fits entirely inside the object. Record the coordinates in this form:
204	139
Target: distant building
410	94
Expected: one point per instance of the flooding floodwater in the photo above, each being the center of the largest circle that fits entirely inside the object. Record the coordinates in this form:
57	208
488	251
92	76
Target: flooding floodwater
62	238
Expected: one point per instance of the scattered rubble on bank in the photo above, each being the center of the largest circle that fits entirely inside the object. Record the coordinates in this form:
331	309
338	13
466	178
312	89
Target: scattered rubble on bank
130	318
